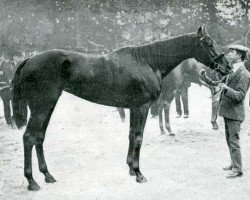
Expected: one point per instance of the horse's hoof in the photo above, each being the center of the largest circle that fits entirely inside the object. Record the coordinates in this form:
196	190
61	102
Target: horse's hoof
141	179
11	125
163	133
171	134
49	179
215	127
185	116
33	187
132	173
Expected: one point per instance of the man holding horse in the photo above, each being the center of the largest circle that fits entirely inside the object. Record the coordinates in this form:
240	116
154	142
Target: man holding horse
235	87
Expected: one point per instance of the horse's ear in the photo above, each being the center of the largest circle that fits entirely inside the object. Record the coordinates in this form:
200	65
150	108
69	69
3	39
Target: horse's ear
205	33
200	32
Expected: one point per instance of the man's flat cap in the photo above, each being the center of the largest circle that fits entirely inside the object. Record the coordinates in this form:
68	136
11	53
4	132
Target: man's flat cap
239	47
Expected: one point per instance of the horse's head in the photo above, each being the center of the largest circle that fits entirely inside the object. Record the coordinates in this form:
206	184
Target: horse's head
209	53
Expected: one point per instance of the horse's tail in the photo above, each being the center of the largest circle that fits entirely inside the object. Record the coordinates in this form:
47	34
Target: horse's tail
19	104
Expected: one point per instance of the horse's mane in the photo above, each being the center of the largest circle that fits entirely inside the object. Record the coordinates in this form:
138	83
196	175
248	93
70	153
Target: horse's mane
158	50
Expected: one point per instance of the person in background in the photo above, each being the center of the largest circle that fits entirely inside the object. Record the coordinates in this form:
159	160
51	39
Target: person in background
247	65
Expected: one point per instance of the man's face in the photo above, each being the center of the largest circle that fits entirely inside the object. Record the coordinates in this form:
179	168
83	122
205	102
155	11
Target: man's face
233	56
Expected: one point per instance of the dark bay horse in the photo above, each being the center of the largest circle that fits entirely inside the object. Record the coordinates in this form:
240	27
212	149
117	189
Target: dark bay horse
188	70
129	77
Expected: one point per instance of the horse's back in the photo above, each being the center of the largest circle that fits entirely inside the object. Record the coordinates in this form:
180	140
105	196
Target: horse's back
46	60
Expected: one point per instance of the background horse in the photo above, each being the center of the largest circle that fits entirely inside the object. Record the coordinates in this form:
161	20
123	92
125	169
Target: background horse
129	77
188	70
7	73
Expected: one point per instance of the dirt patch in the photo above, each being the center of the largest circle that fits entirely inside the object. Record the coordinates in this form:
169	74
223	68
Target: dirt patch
86	147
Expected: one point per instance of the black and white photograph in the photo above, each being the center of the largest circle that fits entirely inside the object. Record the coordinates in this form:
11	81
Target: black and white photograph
124	99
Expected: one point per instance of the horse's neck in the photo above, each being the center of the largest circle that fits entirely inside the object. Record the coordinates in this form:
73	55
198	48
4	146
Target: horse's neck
166	55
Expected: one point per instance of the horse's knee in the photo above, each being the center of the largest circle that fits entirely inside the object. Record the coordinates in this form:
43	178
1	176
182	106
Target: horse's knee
160	108
28	139
40	138
8	120
129	160
138	142
43	168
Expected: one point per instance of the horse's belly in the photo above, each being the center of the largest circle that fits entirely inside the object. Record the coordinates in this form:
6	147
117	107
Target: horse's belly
119	92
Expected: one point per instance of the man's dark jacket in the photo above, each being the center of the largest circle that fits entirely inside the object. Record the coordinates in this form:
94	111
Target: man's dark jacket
232	99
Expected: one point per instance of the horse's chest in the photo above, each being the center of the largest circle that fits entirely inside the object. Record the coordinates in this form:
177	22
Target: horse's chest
145	86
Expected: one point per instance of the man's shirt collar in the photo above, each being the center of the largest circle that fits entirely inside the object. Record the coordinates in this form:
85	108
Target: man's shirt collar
237	66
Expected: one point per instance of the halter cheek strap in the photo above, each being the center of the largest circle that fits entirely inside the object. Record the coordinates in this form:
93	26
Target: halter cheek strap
214	60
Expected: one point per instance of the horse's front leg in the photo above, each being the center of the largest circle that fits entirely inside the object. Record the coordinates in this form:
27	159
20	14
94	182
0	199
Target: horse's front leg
130	148
138	117
160	110
166	106
215	109
167	118
154	109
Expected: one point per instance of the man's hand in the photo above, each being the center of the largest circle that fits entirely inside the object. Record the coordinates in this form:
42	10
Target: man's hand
202	72
223	85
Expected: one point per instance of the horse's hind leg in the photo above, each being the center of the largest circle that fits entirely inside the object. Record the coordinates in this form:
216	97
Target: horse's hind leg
34	135
160	109
39	145
29	140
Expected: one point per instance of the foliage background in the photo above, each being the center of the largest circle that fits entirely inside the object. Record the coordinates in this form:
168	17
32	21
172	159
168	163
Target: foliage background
104	25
